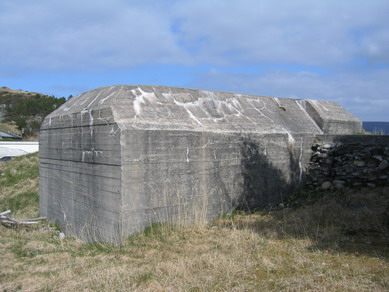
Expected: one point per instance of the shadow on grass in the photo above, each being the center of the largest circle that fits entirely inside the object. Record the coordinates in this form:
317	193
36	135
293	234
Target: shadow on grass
355	221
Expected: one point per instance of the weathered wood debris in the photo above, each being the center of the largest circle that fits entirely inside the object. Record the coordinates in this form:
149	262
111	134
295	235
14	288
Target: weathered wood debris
12	221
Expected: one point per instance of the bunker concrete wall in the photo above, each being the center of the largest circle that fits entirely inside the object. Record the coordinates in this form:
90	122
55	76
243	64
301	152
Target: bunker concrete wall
80	168
184	177
116	159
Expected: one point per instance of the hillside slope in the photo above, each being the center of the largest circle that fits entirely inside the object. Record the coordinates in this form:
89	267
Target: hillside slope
328	242
26	110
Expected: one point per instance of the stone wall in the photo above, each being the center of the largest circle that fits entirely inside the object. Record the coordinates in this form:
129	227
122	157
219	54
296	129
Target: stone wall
349	161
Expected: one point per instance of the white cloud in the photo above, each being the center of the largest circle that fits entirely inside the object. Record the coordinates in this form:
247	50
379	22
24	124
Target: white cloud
307	32
91	35
84	35
376	46
366	95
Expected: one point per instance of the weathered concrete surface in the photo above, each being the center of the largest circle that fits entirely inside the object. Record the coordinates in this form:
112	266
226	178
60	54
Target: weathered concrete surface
116	159
332	118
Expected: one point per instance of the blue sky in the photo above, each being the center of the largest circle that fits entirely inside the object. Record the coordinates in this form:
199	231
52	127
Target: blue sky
326	50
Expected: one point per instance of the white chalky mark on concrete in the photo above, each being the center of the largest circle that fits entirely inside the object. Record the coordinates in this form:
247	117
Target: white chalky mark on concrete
137	104
90	118
92	152
91	122
226	109
277	101
187	154
237	105
319	105
302	104
322	105
205	145
140	99
300	161
113	131
185	106
193	117
85	100
260	110
290	137
105	98
72	103
251	120
97	96
211	95
89	111
265	106
232	104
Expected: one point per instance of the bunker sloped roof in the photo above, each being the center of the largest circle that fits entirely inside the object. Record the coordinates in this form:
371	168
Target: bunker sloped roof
160	107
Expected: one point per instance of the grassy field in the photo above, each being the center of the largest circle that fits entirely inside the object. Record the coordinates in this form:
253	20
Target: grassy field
331	242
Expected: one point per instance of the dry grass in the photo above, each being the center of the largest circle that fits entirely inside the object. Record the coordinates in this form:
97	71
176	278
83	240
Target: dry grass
9	127
334	244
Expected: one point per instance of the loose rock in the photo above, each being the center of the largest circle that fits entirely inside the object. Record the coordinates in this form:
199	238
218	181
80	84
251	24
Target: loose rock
359	163
326	185
383	165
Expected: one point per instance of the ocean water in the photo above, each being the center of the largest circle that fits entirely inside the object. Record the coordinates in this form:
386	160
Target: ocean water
376	127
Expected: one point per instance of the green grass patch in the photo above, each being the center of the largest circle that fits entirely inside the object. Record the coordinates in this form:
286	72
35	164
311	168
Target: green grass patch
20	202
19	169
19	186
95	248
143	278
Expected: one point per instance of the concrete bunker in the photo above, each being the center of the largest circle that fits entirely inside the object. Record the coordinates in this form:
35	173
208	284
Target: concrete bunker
117	159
